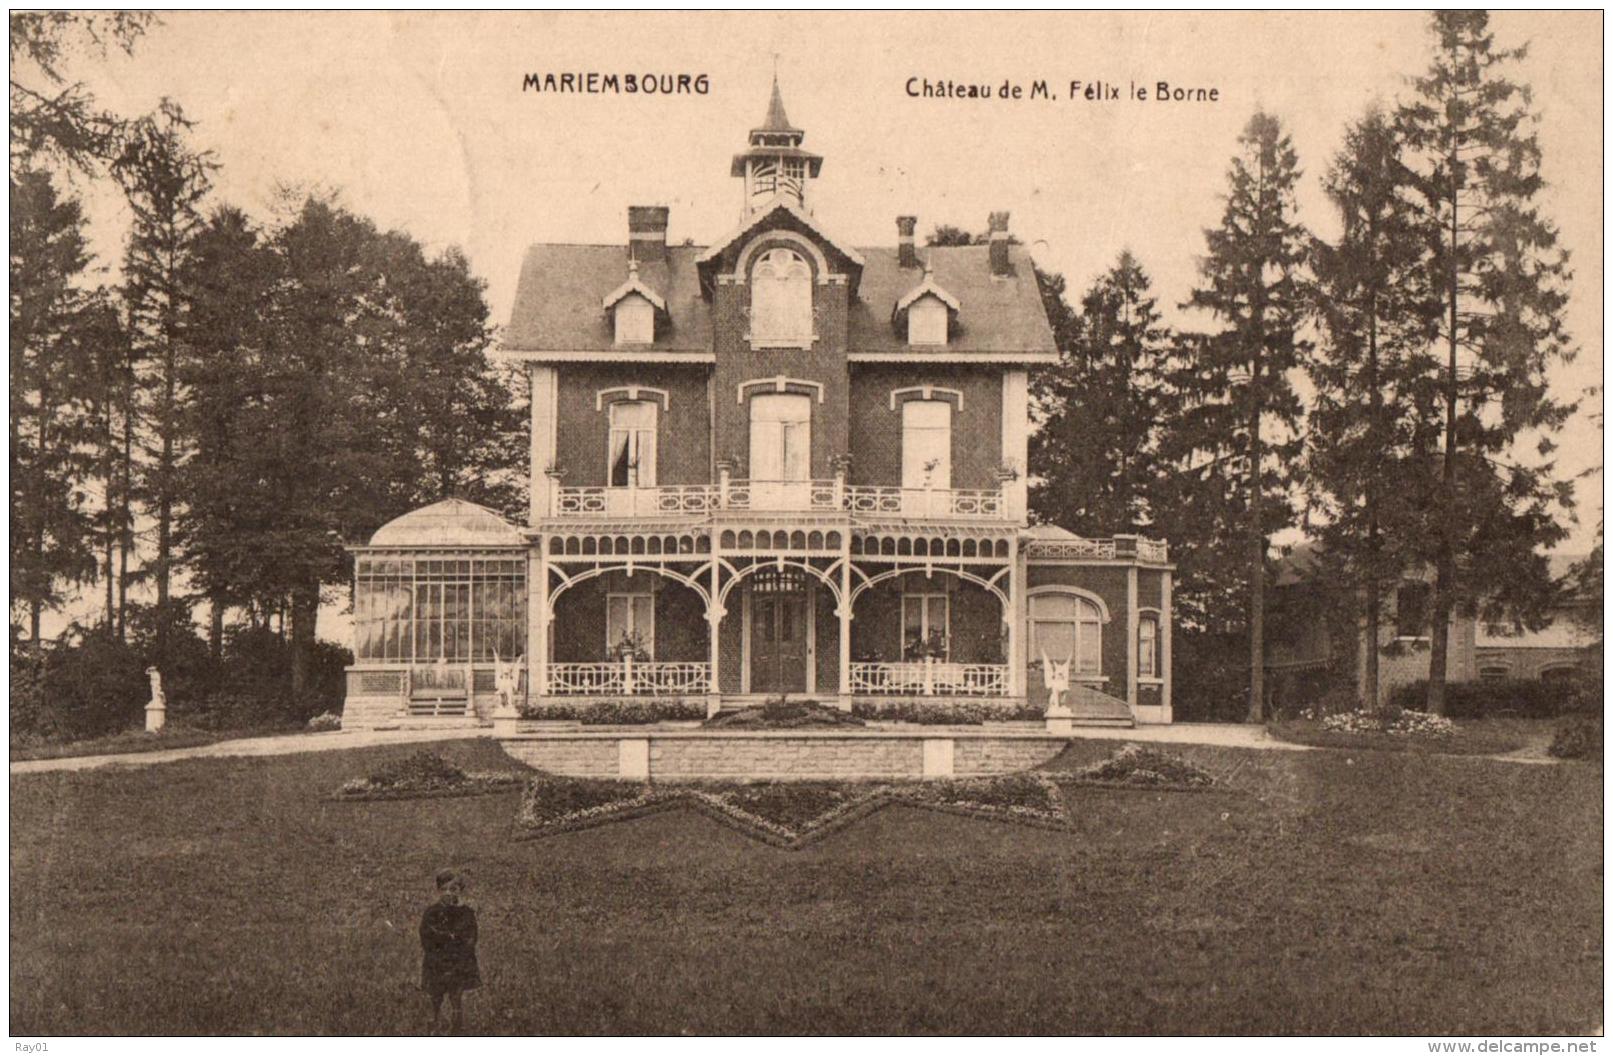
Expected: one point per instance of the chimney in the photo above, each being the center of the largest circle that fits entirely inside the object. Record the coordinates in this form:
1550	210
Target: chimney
906	255
998	226
646	232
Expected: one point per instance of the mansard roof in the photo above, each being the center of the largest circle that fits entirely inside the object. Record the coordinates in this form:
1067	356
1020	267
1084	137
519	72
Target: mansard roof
562	286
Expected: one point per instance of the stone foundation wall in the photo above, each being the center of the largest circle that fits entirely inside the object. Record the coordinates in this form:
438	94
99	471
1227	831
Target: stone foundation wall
996	755
665	757
569	758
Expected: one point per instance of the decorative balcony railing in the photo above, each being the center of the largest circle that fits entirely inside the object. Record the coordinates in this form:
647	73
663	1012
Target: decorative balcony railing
930	678
781	496
629	678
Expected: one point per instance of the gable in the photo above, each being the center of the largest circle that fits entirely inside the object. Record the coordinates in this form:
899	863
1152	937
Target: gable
780	215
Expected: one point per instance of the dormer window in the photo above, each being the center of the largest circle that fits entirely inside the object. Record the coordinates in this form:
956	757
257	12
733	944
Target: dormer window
927	322
926	312
635	321
781	301
634	309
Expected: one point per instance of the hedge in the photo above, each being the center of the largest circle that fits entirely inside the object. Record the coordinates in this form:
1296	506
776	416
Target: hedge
1475	700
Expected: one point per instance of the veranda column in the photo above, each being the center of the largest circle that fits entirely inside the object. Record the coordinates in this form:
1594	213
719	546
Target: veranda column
1131	636
537	622
1016	621
714	615
845	627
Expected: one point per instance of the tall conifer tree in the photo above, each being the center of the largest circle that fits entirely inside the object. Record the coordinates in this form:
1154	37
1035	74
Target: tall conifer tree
1501	277
1369	435
1233	447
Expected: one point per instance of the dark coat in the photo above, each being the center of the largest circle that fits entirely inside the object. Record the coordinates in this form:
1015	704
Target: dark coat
448	948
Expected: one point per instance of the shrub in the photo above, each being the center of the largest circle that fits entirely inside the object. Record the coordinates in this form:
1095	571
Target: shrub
324	722
943	713
626	712
784	714
1477	700
1579	736
422	771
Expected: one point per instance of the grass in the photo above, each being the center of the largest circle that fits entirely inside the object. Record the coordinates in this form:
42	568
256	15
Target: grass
138	740
1495	736
1309	892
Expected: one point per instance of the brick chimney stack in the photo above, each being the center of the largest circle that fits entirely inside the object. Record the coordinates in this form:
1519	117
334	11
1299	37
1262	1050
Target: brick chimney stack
646	232
998	225
906	255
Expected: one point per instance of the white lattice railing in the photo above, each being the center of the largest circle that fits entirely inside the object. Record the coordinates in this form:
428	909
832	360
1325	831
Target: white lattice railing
629	679
924	502
635	502
781	495
930	678
1151	549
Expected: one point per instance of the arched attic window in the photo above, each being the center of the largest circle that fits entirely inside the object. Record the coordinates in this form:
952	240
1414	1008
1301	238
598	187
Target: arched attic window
781	300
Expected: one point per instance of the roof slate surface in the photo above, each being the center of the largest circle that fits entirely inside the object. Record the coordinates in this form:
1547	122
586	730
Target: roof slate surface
557	300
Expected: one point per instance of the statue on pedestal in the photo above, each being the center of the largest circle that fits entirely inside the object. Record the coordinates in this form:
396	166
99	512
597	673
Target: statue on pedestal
157	708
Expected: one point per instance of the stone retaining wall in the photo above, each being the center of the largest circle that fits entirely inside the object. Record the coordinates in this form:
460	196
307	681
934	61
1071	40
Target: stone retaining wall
673	757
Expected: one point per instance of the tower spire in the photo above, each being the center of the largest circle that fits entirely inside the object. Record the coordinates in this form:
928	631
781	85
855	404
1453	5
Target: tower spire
776	120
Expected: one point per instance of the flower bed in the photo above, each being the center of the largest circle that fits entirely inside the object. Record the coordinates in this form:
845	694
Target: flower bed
619	712
1408	732
784	814
783	714
1135	766
1578	737
426	774
1404	722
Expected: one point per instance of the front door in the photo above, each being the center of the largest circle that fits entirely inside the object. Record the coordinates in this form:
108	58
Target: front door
778	636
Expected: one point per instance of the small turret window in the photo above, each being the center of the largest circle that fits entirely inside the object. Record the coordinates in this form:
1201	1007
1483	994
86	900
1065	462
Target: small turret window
781	301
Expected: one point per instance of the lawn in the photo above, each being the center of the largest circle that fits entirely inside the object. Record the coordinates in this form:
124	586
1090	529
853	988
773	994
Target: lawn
1471	736
1321	892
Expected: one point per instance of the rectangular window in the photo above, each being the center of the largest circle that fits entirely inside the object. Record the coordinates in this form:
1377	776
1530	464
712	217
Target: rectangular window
781	437
926	626
630	618
927	444
1148	647
632	444
1067	627
1411	610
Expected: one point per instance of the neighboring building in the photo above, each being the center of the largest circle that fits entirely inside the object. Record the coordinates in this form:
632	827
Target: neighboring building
1317	640
775	464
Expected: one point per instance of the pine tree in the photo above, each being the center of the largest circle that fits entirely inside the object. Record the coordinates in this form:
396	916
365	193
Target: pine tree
1229	480
51	425
164	182
53	119
1368	441
1501	276
1095	454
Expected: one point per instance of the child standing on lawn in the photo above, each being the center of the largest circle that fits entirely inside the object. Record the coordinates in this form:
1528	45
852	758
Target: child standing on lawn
448	950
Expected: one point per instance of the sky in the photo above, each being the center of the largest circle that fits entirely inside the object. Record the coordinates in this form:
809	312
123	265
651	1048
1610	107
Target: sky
420	122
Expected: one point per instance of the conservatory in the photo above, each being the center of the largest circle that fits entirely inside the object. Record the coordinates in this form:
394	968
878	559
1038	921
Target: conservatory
439	612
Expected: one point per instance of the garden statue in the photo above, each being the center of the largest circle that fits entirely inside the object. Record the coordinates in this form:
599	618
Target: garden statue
1056	676
157	709
506	682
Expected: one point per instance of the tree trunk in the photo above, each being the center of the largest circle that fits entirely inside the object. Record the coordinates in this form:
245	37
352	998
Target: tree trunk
215	629
1257	565
125	510
304	615
1444	590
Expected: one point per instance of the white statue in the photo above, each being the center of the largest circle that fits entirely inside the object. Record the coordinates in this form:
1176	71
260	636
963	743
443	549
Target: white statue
506	681
157	709
1056	676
